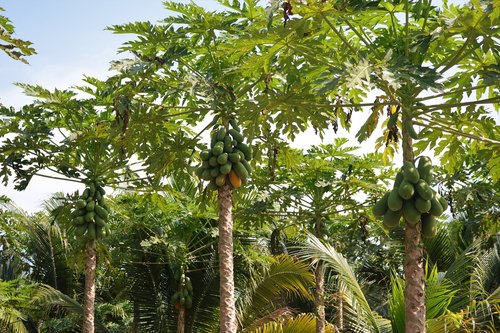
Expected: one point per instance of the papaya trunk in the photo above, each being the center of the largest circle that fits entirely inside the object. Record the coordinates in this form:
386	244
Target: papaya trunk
181	319
320	287
227	305
341	312
319	298
89	291
414	262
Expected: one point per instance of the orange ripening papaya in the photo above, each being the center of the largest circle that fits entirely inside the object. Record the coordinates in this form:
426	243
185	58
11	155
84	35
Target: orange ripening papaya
234	179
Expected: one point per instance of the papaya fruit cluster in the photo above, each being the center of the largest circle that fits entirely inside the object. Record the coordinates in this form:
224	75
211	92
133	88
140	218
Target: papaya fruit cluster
227	159
183	296
90	215
412	198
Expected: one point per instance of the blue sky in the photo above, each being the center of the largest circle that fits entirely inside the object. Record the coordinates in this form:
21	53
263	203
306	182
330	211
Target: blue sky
71	41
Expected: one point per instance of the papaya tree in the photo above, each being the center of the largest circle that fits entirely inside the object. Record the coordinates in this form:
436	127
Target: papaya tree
429	66
63	137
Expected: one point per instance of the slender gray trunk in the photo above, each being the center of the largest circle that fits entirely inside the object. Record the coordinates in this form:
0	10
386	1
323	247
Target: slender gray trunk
227	303
319	293
414	261
89	291
341	312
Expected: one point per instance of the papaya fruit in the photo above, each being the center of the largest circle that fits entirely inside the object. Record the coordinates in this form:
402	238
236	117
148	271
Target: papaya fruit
410	173
90	206
429	228
391	219
79	220
443	202
205	164
220	180
103	213
436	208
425	168
101	190
234	179
100	232
395	202
91	232
92	189
226	168
380	206
205	174
99	221
218	148
81	229
213	139
199	171
205	155
222	158
240	170
247	166
85	194
189	302
406	189
234	157
422	205
228	144
97	195
212	186
234	124
89	217
213	161
236	135
399	179
221	133
214	172
78	212
410	213
246	150
423	189
411	131
81	204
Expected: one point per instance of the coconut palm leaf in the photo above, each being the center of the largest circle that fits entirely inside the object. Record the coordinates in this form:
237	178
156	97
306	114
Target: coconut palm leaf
314	250
303	323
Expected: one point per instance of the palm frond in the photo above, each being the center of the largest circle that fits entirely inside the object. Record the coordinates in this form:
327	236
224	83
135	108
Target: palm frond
286	277
303	323
315	251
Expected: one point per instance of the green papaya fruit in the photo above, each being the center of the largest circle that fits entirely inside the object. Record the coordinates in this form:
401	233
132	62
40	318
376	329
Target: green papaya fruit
189	302
391	219
436	208
410	213
103	213
213	161
443	202
247	166
99	221
79	220
98	195
92	189
429	228
212	185
247	150
220	180
81	204
218	148
205	155
226	168
380	206
234	157
236	135
214	172
234	124
85	194
199	171
222	158
423	189
425	169
101	190
422	205
395	202
411	131
221	133
205	175
228	144
240	170
91	232
81	229
78	212
399	179
90	206
410	173
406	189
100	232
89	217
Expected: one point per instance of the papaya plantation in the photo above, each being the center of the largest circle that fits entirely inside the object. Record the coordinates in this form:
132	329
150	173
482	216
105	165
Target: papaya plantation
262	167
